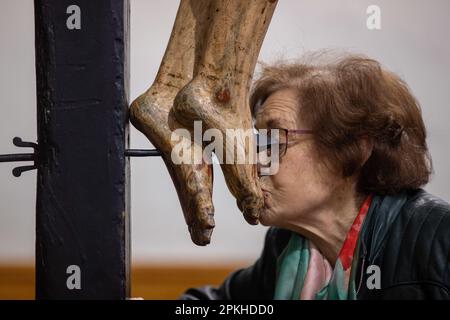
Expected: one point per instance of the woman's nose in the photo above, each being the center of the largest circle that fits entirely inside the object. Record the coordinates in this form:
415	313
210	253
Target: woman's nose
258	169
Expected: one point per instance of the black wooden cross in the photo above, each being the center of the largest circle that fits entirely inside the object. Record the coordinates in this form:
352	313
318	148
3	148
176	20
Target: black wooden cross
81	155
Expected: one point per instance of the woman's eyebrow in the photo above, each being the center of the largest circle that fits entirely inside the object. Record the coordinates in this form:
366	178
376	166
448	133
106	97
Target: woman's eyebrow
275	123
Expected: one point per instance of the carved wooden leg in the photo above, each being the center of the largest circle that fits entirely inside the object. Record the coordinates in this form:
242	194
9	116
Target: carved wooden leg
218	94
151	114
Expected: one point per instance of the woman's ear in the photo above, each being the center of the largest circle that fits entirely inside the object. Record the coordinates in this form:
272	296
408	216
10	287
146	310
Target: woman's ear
366	145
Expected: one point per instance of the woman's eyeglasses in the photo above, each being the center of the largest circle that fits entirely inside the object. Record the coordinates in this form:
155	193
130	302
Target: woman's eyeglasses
276	139
272	145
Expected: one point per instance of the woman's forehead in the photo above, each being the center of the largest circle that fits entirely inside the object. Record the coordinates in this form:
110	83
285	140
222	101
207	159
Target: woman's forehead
279	110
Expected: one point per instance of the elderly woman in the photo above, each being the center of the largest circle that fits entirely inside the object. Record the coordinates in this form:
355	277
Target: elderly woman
347	217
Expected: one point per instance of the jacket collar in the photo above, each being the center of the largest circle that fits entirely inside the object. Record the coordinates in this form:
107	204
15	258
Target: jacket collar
382	213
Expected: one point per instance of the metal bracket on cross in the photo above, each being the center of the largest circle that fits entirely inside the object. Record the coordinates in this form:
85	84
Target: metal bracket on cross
18	142
16	157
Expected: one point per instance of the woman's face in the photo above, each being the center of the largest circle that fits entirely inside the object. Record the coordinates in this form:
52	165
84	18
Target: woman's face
303	184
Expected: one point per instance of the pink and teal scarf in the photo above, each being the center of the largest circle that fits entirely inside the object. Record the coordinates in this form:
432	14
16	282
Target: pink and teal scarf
304	273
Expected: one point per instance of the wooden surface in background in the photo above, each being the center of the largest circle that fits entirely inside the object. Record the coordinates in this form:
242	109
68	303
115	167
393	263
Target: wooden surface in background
17	282
148	281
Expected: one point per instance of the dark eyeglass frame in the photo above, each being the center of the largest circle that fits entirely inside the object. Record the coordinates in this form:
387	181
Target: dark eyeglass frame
292	131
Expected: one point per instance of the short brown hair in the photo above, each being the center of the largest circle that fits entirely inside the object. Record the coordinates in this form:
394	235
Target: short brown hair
353	98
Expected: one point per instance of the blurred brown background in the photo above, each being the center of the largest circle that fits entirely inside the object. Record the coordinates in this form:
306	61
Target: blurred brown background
148	282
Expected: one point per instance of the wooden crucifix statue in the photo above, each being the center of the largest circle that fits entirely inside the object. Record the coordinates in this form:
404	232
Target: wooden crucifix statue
205	76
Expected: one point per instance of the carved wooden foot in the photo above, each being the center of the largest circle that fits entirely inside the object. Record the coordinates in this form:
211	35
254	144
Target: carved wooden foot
151	114
218	94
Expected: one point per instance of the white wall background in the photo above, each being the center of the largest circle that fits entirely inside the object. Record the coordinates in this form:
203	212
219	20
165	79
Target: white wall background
413	42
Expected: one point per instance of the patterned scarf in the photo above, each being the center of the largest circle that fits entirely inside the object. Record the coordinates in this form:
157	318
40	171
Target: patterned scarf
304	273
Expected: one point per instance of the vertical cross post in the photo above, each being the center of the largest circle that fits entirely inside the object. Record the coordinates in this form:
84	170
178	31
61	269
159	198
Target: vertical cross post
82	205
